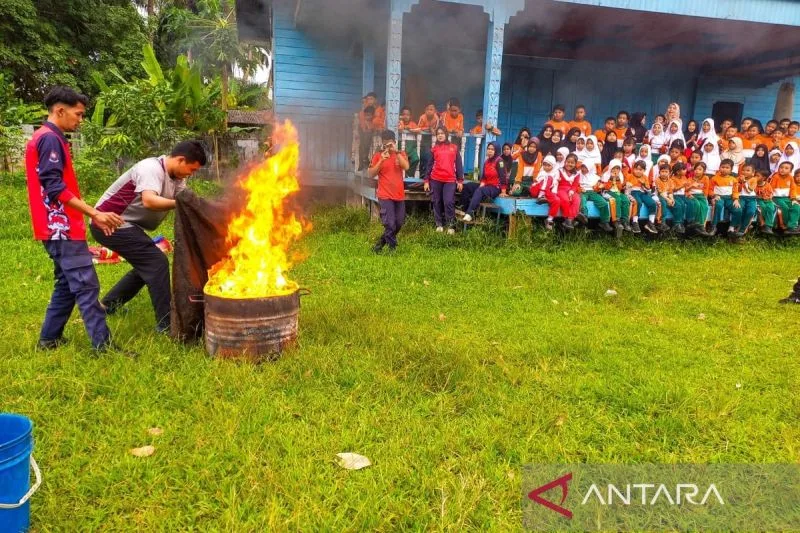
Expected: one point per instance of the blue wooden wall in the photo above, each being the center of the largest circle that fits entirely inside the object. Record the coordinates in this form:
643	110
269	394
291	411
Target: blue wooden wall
318	87
758	102
532	86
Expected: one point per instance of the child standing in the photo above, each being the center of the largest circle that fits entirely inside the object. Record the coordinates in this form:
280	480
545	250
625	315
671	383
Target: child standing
724	187
445	175
579	121
609	125
568	188
388	165
766	205
782	186
453	119
557	120
493	181
748	184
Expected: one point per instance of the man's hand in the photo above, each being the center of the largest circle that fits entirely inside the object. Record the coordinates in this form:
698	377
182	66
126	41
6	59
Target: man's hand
384	155
426	187
107	222
736	204
459	186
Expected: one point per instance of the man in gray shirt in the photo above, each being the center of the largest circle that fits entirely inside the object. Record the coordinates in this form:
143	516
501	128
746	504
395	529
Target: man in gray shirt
143	196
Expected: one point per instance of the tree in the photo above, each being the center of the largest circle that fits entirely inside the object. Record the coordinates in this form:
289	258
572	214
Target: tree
48	42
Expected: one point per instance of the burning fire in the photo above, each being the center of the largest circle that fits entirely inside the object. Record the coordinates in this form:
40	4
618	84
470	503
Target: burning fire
262	232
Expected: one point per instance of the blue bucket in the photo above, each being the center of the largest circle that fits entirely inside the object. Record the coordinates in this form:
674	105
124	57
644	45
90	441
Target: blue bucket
16	445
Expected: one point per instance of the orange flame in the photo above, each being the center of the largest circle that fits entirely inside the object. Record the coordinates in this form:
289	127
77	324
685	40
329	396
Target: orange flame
261	234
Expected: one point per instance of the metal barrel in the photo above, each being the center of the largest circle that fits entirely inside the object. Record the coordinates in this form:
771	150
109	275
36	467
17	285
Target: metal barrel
251	328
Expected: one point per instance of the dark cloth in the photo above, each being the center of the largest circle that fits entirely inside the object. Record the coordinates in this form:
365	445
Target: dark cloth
393	216
201	226
51	162
150	267
76	282
466	193
444	203
637	130
796	288
761	163
480	193
607	153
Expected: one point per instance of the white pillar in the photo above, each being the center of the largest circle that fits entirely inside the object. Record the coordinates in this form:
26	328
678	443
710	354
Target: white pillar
394	60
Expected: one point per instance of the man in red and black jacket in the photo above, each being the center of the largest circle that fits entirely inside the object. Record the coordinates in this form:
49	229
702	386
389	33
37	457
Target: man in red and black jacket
57	212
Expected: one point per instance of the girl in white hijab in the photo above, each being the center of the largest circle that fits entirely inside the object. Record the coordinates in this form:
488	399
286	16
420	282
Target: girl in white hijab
644	154
707	133
775	159
675	133
657	138
791	154
561	156
735	152
711	157
591	154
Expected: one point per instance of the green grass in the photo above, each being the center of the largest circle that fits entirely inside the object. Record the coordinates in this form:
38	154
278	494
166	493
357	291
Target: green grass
531	364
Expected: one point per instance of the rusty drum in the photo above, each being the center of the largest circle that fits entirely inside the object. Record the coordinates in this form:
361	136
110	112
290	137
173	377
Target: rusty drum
251	328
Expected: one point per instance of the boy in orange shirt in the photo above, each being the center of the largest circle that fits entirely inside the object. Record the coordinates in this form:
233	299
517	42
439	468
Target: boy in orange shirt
407	126
696	189
378	121
766	205
622	126
724	187
429	120
640	190
478	129
453	119
580	122
557	120
608	126
663	185
794	127
748	185
782	183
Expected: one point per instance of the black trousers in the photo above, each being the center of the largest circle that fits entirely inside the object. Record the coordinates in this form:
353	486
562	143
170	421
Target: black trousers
150	267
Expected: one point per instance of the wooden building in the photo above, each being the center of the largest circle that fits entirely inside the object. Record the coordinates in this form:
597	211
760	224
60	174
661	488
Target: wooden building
515	59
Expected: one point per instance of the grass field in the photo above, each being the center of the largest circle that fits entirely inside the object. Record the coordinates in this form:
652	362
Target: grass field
450	364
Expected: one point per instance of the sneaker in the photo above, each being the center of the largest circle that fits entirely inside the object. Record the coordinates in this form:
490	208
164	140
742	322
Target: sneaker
766	230
627	226
635	227
467	218
605	226
712	231
650	227
378	246
567	224
548	225
111	348
460	213
51	344
663	227
439	229
451	231
581	218
791	299
679	229
618	229
793	231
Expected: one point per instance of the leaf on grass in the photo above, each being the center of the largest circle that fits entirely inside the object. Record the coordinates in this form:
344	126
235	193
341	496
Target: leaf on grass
738	385
555	302
560	420
426	282
515	287
611	292
156	432
144	451
701	316
442	317
352	461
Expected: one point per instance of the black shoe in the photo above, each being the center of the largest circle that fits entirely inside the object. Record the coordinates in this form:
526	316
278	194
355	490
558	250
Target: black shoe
635	227
679	229
794	231
51	344
378	246
567	224
663	227
650	227
112	348
548	225
605	226
581	218
627	226
618	229
712	231
766	230
791	299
